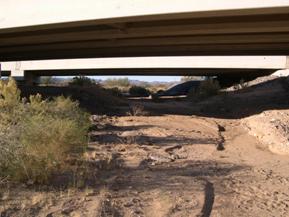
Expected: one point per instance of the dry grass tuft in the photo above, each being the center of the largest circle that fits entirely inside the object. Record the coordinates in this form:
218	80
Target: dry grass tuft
137	110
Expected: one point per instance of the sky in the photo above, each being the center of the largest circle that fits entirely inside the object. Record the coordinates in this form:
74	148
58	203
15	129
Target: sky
142	78
138	78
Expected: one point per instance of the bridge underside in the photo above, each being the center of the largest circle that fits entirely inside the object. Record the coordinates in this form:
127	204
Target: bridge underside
262	31
153	72
225	76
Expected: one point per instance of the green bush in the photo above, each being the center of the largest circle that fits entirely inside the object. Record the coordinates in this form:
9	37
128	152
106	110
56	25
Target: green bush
207	88
139	91
37	137
82	81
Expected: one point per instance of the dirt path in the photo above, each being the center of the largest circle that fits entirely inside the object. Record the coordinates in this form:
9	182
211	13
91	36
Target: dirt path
168	165
171	167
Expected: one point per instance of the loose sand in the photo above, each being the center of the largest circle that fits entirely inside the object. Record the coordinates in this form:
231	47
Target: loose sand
168	163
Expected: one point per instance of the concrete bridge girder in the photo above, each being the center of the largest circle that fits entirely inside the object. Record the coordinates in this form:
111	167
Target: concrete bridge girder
233	67
250	31
226	77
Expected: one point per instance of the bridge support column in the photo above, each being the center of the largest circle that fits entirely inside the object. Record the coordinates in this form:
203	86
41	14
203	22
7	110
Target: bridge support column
29	78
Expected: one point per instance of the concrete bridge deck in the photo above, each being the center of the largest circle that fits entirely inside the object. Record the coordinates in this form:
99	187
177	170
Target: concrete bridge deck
258	29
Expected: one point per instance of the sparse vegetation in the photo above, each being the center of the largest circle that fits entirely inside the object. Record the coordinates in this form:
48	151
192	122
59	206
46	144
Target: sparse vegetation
137	110
37	136
94	99
155	88
117	82
139	91
82	81
241	85
134	88
207	88
46	80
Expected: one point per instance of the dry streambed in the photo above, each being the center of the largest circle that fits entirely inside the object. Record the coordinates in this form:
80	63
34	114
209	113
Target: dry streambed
167	166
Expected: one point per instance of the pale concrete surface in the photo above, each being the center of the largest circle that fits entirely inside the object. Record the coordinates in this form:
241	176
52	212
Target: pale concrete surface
244	62
14	67
281	73
148	65
126	28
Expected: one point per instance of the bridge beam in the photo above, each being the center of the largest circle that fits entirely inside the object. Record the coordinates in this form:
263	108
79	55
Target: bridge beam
250	31
151	72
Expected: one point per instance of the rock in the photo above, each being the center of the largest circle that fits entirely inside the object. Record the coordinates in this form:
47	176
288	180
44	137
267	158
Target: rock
157	158
128	134
171	149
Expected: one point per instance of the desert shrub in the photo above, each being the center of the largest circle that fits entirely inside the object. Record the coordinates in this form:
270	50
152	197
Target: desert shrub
37	137
82	81
139	91
207	88
94	99
137	110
